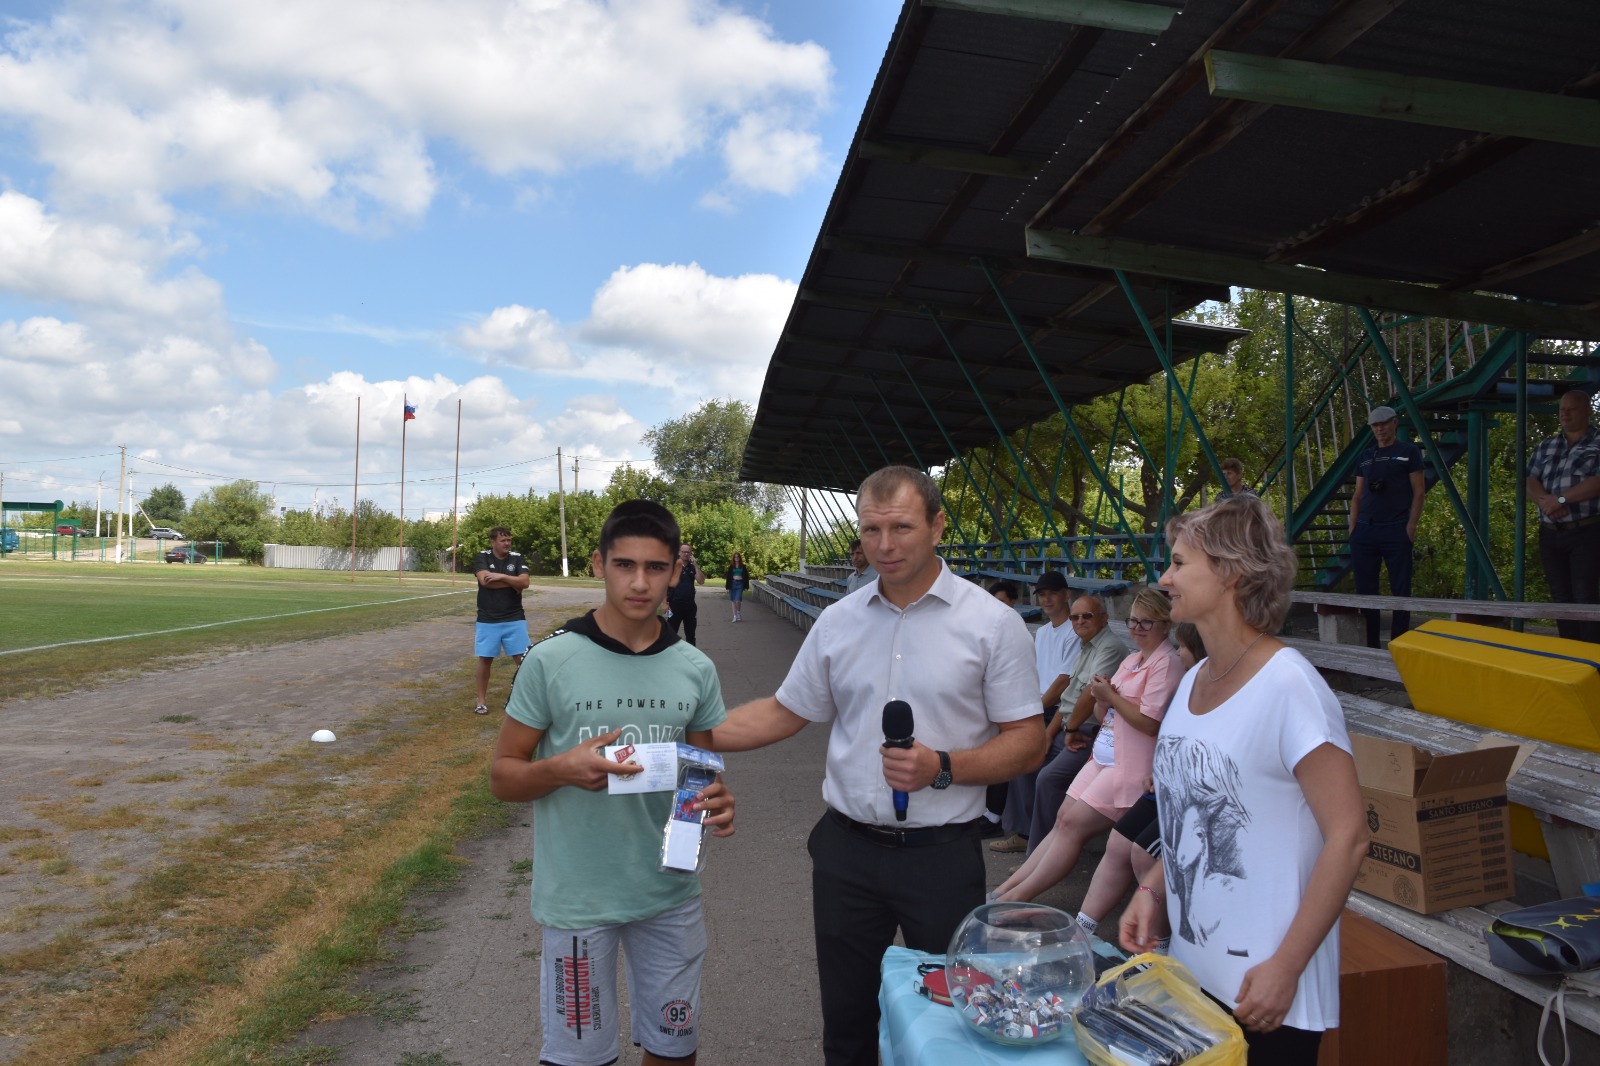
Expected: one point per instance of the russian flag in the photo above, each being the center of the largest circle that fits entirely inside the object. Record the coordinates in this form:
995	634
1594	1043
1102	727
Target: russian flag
411	412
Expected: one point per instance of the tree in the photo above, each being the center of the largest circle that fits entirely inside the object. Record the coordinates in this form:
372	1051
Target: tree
238	514
700	454
164	505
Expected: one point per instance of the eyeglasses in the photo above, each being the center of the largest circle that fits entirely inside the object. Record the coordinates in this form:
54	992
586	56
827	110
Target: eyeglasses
1084	617
1142	625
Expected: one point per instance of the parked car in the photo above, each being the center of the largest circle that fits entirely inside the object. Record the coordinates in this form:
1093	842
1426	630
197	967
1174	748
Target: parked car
69	531
9	540
183	554
164	533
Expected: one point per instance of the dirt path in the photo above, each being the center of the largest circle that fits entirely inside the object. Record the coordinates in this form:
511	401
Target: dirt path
105	786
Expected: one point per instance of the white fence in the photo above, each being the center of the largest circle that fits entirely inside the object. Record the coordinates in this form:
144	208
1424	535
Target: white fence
304	557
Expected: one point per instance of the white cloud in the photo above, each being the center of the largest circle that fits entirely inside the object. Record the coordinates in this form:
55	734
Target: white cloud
767	155
518	336
671	327
331	107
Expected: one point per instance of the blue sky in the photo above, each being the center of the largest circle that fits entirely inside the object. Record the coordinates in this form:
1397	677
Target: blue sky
222	223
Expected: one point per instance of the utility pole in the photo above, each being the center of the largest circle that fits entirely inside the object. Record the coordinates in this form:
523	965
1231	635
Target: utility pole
100	488
122	480
575	475
803	497
561	490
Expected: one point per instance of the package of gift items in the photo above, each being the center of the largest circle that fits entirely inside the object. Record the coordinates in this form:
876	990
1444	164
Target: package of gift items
1150	1011
682	849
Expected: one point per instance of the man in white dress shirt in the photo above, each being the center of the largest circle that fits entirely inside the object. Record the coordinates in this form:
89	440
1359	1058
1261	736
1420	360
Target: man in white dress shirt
964	663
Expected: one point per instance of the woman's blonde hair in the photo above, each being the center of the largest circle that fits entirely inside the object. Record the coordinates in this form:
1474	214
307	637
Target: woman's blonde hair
1154	603
1245	542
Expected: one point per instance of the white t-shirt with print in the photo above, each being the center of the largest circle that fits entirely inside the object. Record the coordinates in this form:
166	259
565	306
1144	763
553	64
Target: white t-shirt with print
1237	835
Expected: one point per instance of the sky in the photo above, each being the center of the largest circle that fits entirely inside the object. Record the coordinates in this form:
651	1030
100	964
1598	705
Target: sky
223	224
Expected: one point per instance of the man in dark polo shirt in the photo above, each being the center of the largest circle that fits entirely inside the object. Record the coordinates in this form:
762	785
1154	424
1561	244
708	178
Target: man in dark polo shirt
1383	516
502	627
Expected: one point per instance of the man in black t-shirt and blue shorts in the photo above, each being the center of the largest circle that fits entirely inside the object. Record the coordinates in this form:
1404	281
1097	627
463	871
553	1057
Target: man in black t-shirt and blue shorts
502	627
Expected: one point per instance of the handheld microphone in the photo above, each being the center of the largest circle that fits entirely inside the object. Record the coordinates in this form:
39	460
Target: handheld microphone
897	726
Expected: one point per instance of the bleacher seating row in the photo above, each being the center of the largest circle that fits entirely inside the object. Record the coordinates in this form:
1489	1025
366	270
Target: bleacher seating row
1560	784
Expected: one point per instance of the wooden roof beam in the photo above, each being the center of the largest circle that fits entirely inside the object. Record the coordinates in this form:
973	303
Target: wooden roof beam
1114	254
1150	20
1458	105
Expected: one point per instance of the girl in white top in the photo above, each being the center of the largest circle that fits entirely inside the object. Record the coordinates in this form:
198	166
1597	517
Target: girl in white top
1261	819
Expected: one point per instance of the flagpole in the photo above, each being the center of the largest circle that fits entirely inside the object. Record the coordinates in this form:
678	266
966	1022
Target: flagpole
400	573
355	493
455	502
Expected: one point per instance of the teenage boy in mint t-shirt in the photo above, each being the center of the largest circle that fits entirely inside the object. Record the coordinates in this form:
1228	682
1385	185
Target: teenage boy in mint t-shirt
617	675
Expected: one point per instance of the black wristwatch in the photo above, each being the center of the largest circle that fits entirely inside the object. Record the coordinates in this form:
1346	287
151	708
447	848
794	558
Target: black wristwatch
943	778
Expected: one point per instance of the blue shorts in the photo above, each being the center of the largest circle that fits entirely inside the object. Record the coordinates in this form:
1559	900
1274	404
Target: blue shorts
492	638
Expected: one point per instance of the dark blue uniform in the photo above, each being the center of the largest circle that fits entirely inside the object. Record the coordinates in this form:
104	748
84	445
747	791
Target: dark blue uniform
1380	533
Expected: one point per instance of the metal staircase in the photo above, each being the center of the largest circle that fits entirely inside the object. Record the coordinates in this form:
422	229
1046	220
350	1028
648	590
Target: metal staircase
1463	383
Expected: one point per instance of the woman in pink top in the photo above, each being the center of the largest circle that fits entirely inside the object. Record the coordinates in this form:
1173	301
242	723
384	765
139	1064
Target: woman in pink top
1130	705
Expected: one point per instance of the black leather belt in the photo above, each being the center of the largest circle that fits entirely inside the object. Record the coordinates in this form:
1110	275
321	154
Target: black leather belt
906	838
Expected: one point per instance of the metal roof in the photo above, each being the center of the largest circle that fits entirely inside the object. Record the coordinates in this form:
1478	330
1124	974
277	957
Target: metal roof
1057	152
860	359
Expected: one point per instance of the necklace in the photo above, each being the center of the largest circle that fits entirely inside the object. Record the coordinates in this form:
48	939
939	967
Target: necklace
1218	677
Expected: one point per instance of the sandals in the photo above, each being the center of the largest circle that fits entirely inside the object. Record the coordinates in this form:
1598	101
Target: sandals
480	709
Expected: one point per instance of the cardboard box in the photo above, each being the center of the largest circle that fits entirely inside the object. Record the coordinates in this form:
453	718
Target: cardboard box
1441	834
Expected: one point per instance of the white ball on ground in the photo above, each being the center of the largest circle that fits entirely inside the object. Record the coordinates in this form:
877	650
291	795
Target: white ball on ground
324	736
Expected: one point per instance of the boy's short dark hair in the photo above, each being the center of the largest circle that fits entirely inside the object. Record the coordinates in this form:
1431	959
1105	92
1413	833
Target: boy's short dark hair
1009	589
496	531
854	544
640	518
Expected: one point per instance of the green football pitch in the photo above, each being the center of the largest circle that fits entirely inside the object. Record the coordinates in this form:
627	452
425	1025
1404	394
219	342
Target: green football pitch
44	606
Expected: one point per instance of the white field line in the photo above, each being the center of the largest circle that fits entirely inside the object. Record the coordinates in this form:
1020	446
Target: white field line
230	622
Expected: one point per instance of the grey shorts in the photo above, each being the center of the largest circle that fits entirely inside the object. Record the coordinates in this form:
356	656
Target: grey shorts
578	987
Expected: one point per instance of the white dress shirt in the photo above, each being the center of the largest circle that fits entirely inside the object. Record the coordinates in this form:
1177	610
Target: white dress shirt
958	656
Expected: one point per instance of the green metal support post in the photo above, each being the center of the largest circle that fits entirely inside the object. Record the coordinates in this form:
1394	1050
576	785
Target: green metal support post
1288	414
1165	356
1519	573
1066	415
1476	547
972	382
955	453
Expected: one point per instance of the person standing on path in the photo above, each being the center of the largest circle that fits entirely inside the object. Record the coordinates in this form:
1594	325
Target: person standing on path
737	581
963	662
501	627
1383	517
1564	482
681	609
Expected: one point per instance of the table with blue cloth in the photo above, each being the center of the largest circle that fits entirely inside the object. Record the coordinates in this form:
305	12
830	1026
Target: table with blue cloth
915	1031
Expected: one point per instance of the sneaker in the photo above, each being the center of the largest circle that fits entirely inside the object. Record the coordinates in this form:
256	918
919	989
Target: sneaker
1009	845
480	709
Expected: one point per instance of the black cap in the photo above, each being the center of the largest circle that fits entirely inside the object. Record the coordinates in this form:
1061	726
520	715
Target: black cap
1051	581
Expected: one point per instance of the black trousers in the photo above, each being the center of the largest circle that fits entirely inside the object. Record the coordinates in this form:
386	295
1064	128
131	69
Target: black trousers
1389	546
1571	559
861	892
685	614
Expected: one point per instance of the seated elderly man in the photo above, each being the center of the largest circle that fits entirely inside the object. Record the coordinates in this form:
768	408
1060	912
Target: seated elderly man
1100	652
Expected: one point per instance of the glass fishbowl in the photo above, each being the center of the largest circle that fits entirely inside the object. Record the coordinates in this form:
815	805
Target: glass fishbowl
1017	970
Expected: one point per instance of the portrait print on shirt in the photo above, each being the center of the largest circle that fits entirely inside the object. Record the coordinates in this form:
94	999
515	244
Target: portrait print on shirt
1202	818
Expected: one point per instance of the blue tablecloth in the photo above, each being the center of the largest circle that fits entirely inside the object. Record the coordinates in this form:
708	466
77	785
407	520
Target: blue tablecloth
915	1031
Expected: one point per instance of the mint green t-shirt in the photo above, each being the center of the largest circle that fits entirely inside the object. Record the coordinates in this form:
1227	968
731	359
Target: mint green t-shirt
594	854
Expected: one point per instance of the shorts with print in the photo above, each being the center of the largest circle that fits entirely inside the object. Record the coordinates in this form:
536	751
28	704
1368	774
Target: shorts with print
492	638
578	987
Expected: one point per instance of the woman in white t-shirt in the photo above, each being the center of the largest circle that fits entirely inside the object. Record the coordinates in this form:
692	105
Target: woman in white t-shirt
1129	705
1262	828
